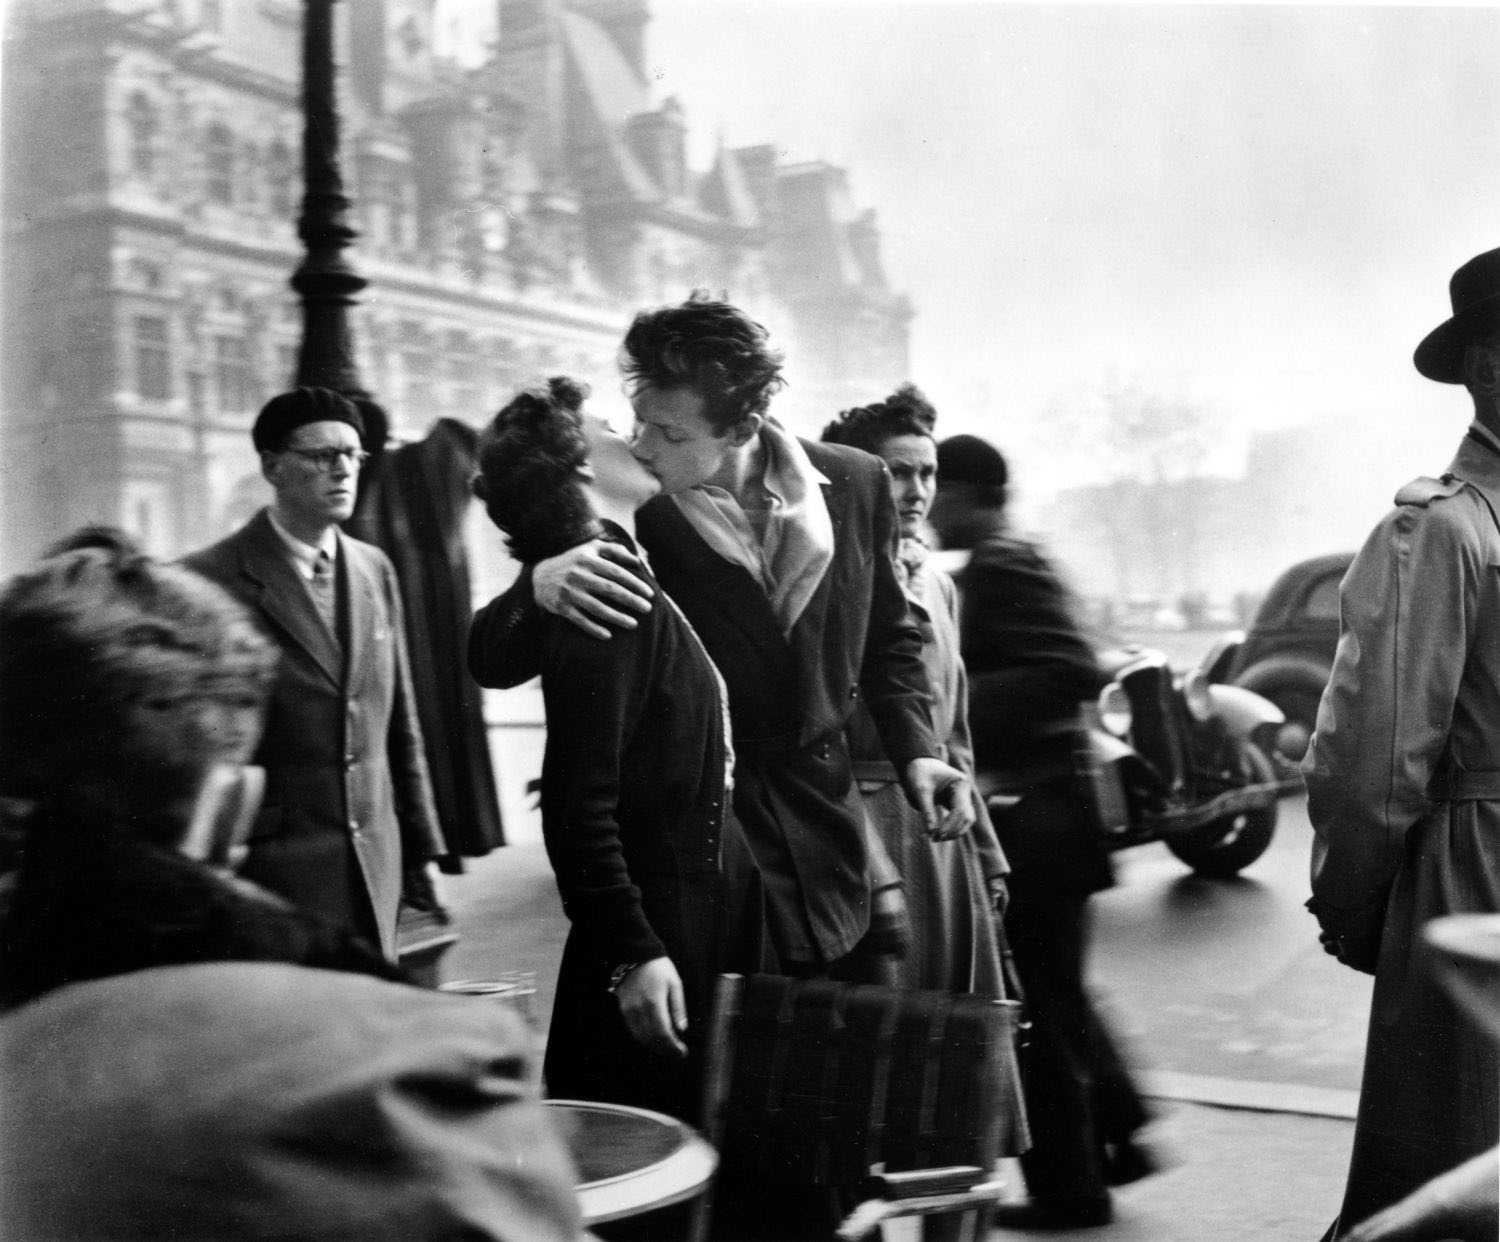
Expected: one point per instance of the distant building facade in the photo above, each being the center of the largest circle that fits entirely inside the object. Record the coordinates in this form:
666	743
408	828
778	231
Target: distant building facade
512	217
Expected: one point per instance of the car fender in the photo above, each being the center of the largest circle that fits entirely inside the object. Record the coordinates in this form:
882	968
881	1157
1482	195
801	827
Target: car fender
1243	711
1295	672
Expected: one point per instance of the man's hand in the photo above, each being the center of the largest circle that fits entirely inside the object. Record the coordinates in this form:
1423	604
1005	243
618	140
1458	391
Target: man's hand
999	890
1463	1203
652	1005
943	795
591	583
1352	936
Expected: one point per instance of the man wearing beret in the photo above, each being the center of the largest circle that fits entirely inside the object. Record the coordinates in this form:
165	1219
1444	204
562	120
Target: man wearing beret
348	815
1403	778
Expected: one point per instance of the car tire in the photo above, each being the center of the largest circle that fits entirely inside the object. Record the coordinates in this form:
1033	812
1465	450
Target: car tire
1224	847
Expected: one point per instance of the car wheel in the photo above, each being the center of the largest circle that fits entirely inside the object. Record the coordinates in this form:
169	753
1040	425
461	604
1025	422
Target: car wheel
1222	848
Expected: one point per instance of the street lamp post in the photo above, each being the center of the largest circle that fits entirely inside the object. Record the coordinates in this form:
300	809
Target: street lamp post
326	282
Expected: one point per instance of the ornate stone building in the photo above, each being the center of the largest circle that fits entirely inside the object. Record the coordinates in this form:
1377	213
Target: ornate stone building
512	216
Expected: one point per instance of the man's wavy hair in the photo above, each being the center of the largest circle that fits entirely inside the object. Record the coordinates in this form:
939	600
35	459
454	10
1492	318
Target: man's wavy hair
709	347
95	628
528	479
906	412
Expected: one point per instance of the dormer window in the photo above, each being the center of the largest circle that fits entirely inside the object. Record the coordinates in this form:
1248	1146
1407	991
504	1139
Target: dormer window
143	123
218	163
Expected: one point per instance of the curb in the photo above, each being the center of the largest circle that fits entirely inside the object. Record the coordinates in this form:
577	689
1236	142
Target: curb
1262	1097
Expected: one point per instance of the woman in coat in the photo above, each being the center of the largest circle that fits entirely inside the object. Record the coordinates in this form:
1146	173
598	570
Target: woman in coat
654	874
951	886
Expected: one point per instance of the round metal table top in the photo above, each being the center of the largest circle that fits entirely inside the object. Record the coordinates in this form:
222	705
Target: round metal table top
631	1160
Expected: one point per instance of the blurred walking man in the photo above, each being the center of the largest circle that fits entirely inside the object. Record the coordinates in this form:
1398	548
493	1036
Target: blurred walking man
348	817
1030	669
1403	777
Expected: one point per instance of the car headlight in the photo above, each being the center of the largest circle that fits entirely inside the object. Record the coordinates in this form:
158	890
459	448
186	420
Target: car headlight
1195	693
1114	709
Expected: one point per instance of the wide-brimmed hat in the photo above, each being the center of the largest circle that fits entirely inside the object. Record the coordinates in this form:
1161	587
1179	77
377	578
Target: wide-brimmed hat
1475	294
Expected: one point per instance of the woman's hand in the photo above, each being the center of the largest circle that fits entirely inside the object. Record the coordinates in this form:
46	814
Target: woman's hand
652	1005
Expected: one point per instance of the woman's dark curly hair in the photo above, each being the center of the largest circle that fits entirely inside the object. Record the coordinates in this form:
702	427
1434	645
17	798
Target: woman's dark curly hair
528	479
710	347
906	412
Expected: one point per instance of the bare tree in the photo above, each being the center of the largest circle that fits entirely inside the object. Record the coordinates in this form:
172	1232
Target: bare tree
1138	445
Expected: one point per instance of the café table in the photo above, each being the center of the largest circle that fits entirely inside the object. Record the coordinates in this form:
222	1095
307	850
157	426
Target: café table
631	1160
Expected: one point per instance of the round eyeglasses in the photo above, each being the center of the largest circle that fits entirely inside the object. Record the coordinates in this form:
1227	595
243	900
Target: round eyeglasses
327	459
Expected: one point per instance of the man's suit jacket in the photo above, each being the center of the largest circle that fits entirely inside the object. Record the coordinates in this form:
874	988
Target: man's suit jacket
348	803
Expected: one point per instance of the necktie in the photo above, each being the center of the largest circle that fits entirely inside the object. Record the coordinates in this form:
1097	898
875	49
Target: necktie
323	592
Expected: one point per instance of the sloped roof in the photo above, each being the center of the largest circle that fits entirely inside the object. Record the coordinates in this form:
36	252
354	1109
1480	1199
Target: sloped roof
613	93
726	192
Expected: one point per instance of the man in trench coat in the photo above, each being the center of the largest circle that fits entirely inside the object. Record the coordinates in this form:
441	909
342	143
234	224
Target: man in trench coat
348	811
1403	778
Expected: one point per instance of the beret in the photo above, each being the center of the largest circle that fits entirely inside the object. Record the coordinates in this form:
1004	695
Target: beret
968	459
285	412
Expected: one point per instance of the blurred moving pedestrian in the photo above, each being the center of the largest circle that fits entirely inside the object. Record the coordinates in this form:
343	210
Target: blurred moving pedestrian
654	873
1403	777
780	552
250	1100
1030	669
348	824
955	889
131	694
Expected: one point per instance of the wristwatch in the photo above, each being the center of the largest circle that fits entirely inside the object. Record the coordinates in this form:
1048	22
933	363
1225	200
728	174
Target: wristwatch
617	975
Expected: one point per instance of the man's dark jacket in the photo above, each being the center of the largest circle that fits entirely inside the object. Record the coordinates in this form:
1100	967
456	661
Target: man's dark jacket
790	700
347	803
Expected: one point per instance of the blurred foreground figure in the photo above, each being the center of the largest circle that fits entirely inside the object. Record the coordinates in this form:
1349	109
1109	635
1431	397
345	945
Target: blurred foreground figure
265	1101
955	889
348	824
1403	777
1030	669
131	694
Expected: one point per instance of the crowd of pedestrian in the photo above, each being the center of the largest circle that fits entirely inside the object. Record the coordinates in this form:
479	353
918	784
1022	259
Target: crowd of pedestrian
779	739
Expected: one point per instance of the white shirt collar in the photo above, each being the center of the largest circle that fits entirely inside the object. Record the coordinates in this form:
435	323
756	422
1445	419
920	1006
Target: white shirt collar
305	555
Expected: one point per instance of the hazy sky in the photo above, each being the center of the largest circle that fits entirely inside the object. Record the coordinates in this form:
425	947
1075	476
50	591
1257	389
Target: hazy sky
1255	206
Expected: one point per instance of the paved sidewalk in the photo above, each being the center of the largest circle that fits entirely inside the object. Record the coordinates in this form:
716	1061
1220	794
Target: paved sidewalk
1241	1174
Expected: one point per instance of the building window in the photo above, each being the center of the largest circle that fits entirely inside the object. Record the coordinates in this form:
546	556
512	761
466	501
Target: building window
283	181
153	358
142	122
197	393
218	164
418	402
464	397
233	377
286	365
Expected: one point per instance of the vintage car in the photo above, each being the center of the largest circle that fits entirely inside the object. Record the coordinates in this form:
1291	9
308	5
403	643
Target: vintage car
1177	759
1287	652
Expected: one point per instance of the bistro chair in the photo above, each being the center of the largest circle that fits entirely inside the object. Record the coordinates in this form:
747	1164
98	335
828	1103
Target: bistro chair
907	1098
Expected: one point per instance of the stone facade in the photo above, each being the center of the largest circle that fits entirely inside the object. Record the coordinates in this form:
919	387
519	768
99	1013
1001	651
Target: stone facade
511	217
